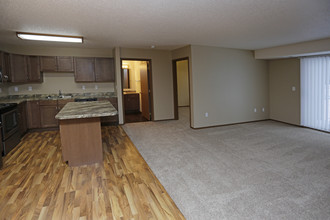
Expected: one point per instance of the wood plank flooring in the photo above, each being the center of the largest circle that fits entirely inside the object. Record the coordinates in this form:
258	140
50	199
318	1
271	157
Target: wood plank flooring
36	184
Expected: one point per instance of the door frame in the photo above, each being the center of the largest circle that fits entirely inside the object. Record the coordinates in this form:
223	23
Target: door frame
149	72
175	88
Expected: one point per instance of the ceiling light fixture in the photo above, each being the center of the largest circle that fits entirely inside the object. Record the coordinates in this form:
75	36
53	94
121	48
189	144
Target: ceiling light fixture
49	37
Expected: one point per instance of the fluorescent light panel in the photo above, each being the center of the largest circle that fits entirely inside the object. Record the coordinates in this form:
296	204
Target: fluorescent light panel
48	37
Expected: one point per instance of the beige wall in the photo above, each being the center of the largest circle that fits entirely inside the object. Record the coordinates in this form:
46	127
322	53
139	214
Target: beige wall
284	103
180	53
315	47
183	83
162	79
53	82
228	84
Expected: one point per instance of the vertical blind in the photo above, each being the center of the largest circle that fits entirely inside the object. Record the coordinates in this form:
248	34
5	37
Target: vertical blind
315	92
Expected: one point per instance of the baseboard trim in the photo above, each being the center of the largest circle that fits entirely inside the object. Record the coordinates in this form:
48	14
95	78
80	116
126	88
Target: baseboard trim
245	122
300	126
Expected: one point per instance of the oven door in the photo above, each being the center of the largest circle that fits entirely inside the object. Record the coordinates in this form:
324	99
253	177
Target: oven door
9	123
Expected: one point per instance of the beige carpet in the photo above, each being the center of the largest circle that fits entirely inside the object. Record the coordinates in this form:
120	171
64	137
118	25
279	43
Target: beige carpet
262	170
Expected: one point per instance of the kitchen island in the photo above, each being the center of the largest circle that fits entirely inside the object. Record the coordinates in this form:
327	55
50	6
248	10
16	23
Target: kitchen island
80	131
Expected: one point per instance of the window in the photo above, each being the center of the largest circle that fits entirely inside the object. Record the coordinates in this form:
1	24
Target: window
315	92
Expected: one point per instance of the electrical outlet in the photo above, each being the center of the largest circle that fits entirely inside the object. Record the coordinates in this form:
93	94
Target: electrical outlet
293	88
83	87
255	109
206	114
30	88
263	109
16	89
96	87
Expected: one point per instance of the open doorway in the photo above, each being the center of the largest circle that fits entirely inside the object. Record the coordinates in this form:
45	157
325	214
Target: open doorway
181	86
137	90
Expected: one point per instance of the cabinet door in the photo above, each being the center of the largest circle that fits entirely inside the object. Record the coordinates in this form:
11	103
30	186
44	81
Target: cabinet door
65	64
22	122
18	68
104	70
33	114
132	102
84	69
110	120
48	64
34	69
47	116
6	75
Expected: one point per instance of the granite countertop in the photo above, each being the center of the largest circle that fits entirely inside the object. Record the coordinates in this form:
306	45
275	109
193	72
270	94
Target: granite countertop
75	110
22	98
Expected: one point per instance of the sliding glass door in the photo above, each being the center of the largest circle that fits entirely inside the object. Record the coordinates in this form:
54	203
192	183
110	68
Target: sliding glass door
315	92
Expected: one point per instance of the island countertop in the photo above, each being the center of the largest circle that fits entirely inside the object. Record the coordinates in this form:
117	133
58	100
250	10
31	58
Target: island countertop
75	110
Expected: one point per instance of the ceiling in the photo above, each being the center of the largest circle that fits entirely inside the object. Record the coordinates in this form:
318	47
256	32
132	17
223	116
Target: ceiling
244	24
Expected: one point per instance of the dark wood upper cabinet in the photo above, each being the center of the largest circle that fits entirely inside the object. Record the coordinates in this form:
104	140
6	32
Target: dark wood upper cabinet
65	64
18	68
48	63
56	64
34	74
84	69
104	70
6	76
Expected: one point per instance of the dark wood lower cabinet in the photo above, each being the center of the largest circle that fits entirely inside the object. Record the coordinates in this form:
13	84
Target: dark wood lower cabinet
132	102
33	114
22	119
47	116
110	120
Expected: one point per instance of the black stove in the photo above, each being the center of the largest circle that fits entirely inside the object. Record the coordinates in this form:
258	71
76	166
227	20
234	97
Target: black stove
4	107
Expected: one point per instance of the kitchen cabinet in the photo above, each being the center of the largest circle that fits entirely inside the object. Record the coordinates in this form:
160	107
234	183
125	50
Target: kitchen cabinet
62	102
22	119
56	64
18	68
113	120
6	76
33	73
132	102
104	70
48	109
84	69
24	68
90	69
33	114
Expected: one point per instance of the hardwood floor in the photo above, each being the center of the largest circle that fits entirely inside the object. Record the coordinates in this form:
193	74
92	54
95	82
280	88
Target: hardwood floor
36	184
134	117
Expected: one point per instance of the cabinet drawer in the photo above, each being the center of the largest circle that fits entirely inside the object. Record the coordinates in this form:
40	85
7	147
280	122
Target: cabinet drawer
48	102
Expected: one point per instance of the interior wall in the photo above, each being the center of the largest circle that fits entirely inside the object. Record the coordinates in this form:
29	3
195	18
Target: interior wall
308	48
53	82
185	52
183	82
162	79
228	85
284	102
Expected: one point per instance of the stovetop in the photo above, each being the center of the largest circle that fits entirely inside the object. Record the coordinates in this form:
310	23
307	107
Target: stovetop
4	107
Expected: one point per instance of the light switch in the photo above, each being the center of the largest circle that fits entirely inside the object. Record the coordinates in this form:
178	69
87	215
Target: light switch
30	88
293	88
83	87
255	109
16	89
206	114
